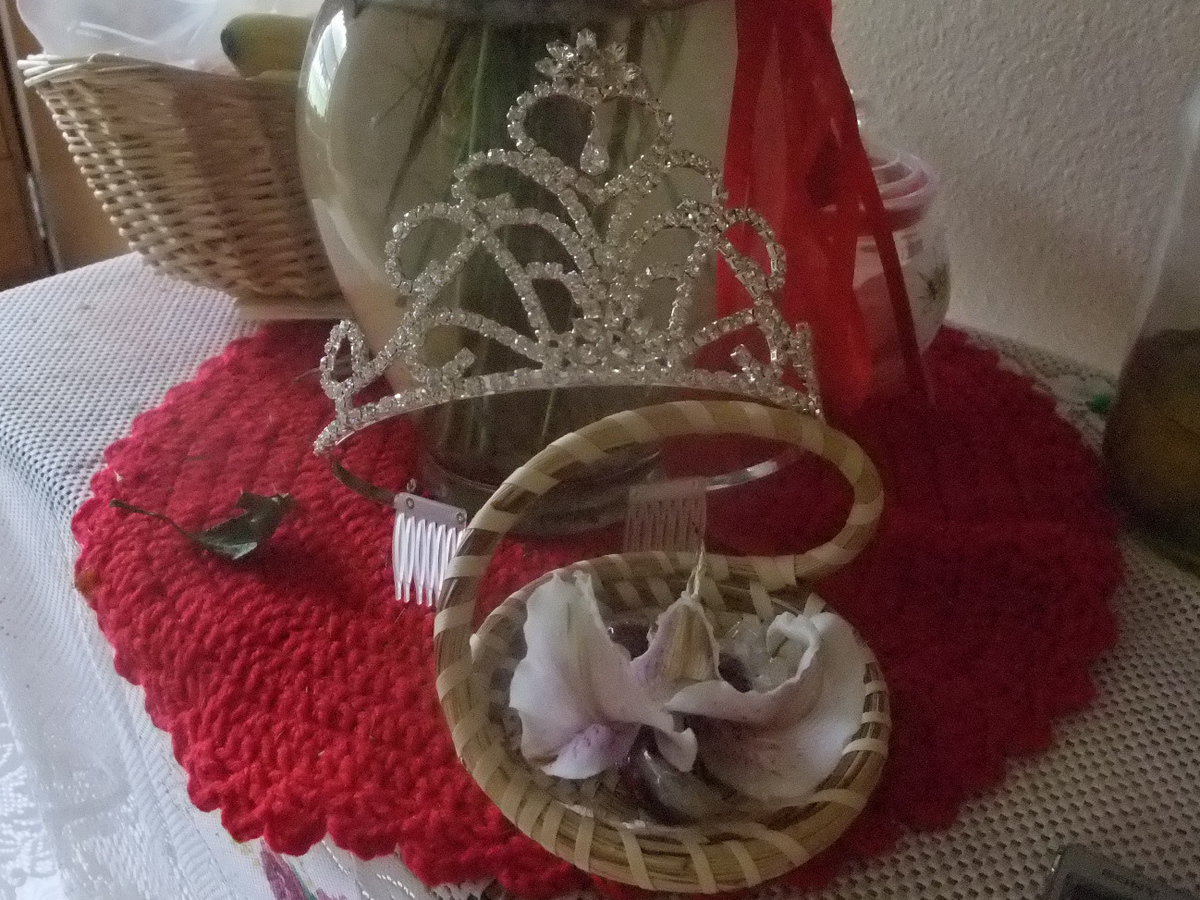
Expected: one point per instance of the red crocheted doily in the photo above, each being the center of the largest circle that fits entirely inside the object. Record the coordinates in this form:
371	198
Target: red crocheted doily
300	697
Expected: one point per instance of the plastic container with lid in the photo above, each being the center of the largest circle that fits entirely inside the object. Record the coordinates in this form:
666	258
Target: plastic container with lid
909	188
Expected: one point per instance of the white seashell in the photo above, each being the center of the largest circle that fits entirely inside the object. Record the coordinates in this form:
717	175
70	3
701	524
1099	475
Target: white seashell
579	698
777	746
583	701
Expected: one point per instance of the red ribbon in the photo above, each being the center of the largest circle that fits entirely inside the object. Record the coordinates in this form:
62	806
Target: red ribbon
794	153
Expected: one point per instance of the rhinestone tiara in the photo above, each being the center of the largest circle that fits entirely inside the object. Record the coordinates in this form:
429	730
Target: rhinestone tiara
611	339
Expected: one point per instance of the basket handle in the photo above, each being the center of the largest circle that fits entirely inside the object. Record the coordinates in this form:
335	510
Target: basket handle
460	590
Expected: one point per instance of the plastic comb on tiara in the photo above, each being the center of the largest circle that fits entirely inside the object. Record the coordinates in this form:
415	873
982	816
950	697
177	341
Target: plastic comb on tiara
666	515
425	540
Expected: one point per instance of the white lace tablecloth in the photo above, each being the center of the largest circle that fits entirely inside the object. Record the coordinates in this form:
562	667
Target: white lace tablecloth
93	805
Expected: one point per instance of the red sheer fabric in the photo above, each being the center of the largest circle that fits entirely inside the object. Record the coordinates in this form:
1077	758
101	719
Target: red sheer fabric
794	153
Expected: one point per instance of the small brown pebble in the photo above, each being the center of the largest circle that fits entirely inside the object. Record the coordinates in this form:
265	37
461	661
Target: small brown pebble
633	636
733	670
661	791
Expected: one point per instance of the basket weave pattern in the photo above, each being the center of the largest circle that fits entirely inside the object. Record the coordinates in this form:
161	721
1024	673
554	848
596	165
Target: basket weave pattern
198	171
589	823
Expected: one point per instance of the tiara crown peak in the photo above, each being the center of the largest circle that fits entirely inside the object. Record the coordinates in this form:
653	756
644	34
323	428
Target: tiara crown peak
612	337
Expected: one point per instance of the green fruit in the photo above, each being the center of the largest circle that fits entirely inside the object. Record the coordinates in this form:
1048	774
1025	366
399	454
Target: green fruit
1152	438
260	42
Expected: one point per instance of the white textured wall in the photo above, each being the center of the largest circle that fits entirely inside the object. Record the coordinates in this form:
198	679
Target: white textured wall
1053	124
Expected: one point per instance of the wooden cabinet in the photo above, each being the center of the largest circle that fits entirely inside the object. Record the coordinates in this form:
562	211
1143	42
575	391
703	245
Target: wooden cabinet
77	231
23	255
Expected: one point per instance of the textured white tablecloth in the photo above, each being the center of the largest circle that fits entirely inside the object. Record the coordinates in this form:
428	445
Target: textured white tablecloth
92	804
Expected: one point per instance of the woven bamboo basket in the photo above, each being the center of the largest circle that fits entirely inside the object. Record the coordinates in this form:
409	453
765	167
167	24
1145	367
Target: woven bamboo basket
197	170
592	824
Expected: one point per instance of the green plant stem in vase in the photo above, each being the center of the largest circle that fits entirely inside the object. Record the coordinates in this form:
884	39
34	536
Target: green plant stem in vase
478	440
473	445
440	98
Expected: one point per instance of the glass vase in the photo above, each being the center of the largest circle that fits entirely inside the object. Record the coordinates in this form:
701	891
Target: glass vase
397	95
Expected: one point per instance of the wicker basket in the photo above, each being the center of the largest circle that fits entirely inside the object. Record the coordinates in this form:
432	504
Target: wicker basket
198	171
590	824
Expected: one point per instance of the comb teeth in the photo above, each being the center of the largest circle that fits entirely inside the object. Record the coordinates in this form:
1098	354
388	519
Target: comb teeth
666	515
425	540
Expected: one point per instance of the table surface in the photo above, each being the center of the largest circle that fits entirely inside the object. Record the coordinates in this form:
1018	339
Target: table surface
92	804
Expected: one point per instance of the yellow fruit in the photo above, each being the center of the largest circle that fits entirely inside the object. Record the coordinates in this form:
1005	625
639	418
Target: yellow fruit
1152	439
260	42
